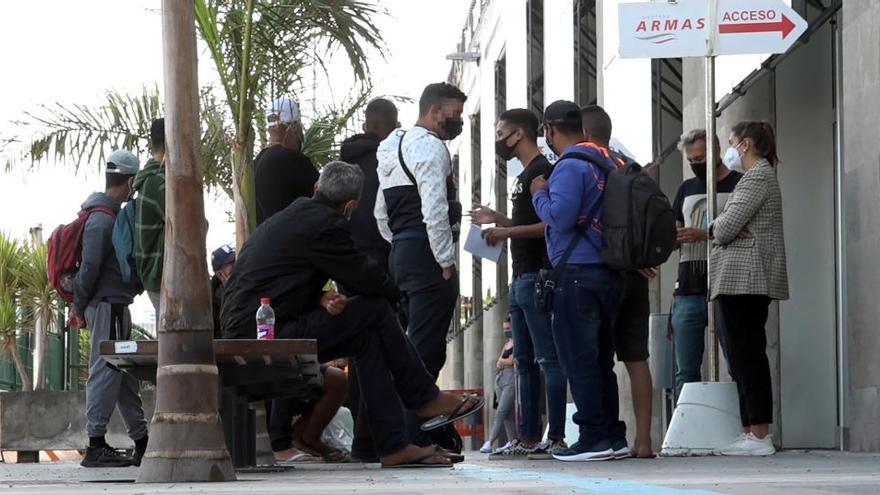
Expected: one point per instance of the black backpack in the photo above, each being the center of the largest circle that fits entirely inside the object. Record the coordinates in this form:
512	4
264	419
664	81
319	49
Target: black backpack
638	222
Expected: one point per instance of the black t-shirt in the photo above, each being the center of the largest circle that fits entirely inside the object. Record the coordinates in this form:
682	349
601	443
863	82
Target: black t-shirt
281	175
691	210
528	255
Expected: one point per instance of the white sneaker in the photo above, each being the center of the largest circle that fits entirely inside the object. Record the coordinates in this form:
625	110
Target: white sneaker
748	444
486	448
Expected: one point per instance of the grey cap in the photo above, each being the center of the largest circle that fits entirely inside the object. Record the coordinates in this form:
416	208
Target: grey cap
123	162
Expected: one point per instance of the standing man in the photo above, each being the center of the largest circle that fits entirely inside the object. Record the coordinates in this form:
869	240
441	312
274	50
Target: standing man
282	173
413	212
516	135
360	150
690	309
586	293
101	300
149	227
631	325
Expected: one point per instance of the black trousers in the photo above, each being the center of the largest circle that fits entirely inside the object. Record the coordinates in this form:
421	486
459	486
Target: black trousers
388	367
428	301
745	340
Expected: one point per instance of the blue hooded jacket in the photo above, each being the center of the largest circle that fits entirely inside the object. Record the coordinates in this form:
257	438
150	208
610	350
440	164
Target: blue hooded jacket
576	189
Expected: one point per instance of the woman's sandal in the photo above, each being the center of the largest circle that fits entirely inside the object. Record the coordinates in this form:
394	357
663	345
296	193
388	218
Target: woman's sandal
335	456
457	413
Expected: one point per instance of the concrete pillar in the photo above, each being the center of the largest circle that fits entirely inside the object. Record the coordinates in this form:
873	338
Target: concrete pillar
861	148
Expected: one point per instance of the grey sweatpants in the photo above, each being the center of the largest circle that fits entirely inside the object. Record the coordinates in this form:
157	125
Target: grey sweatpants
106	387
505	390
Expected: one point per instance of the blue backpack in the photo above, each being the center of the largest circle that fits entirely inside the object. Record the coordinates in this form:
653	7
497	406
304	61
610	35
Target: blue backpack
123	244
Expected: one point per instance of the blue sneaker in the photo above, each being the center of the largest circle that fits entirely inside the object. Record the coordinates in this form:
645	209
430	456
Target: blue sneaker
601	451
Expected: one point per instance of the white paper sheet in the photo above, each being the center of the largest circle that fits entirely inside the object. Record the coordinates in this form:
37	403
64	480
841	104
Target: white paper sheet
476	245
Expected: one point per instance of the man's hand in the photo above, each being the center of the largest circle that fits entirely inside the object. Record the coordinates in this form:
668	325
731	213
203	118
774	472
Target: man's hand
745	233
448	272
75	321
648	273
481	215
689	235
538	184
334	303
495	235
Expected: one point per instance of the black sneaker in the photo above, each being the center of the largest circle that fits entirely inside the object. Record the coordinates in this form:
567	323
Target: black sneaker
136	458
105	457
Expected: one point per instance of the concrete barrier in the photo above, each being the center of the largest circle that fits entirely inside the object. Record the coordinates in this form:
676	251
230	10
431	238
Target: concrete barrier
55	420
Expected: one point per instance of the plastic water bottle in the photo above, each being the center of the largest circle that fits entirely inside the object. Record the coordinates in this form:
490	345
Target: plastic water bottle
265	320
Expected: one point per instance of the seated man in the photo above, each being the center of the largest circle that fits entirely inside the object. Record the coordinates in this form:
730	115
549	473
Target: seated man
289	259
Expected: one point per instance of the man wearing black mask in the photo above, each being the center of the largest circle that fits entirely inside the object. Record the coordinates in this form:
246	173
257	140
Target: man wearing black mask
689	312
415	211
533	346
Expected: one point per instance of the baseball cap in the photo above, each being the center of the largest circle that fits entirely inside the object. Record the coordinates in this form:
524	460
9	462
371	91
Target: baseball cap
562	111
282	111
222	256
123	162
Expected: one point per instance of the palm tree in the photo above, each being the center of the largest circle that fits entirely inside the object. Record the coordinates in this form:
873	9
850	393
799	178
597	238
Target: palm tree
38	295
10	260
260	49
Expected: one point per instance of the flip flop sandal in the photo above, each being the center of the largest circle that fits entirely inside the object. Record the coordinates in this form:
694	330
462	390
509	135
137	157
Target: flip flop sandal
452	456
420	463
457	413
299	459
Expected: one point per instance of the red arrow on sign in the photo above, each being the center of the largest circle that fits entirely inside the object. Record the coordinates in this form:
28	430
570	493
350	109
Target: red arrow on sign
785	26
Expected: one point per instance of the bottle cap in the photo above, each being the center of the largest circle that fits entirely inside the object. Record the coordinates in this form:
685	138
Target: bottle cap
265	301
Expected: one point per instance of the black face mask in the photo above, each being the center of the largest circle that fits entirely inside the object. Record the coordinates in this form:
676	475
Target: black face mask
504	151
699	169
508	334
452	128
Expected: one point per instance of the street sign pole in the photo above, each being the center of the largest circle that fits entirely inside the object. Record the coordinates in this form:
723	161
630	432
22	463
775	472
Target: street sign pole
711	189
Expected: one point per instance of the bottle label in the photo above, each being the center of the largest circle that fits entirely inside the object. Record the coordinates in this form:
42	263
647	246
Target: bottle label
265	332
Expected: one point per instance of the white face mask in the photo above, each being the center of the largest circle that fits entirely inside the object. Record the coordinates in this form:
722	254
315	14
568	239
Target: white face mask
733	160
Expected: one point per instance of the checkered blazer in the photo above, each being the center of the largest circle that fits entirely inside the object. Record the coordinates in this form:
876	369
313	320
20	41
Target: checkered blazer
756	264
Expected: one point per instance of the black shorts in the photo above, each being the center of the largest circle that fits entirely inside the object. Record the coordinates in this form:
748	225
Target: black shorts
631	326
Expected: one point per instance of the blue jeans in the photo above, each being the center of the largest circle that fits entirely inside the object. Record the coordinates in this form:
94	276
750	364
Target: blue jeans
585	304
690	317
533	346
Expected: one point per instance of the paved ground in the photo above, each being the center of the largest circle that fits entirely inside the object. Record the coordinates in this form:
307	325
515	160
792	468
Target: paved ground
790	473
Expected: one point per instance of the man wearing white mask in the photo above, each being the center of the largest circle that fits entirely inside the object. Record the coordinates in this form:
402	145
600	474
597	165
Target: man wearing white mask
690	308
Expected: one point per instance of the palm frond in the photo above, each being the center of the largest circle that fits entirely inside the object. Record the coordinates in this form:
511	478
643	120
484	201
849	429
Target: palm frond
10	259
82	133
35	290
322	137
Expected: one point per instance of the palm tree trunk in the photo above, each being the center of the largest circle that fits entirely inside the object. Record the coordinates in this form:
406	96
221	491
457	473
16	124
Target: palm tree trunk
41	338
186	437
19	367
242	166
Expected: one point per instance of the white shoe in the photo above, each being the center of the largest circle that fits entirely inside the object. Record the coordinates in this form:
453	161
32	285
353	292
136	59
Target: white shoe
748	444
486	448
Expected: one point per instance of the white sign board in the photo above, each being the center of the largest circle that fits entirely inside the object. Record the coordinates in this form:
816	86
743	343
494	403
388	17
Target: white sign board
673	30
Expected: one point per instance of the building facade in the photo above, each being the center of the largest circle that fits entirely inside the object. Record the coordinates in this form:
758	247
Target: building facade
823	96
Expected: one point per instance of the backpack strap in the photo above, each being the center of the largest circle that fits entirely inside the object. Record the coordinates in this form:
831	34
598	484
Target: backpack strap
403	162
102	209
580	155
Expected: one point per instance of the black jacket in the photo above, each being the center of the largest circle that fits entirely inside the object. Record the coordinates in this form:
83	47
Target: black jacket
361	151
289	258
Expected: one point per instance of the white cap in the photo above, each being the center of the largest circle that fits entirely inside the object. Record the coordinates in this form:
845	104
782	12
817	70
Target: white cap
282	111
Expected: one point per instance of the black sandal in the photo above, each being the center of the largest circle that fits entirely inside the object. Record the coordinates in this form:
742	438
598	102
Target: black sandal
457	413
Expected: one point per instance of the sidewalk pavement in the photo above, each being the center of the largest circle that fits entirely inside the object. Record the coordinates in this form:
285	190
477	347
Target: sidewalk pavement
789	473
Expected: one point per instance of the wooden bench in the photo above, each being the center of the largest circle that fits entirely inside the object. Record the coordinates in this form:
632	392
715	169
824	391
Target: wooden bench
250	371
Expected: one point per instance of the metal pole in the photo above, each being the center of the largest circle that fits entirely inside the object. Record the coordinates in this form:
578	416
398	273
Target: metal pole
840	244
711	159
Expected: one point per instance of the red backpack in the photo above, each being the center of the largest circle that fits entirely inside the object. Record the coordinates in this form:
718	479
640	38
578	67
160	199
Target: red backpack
65	252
